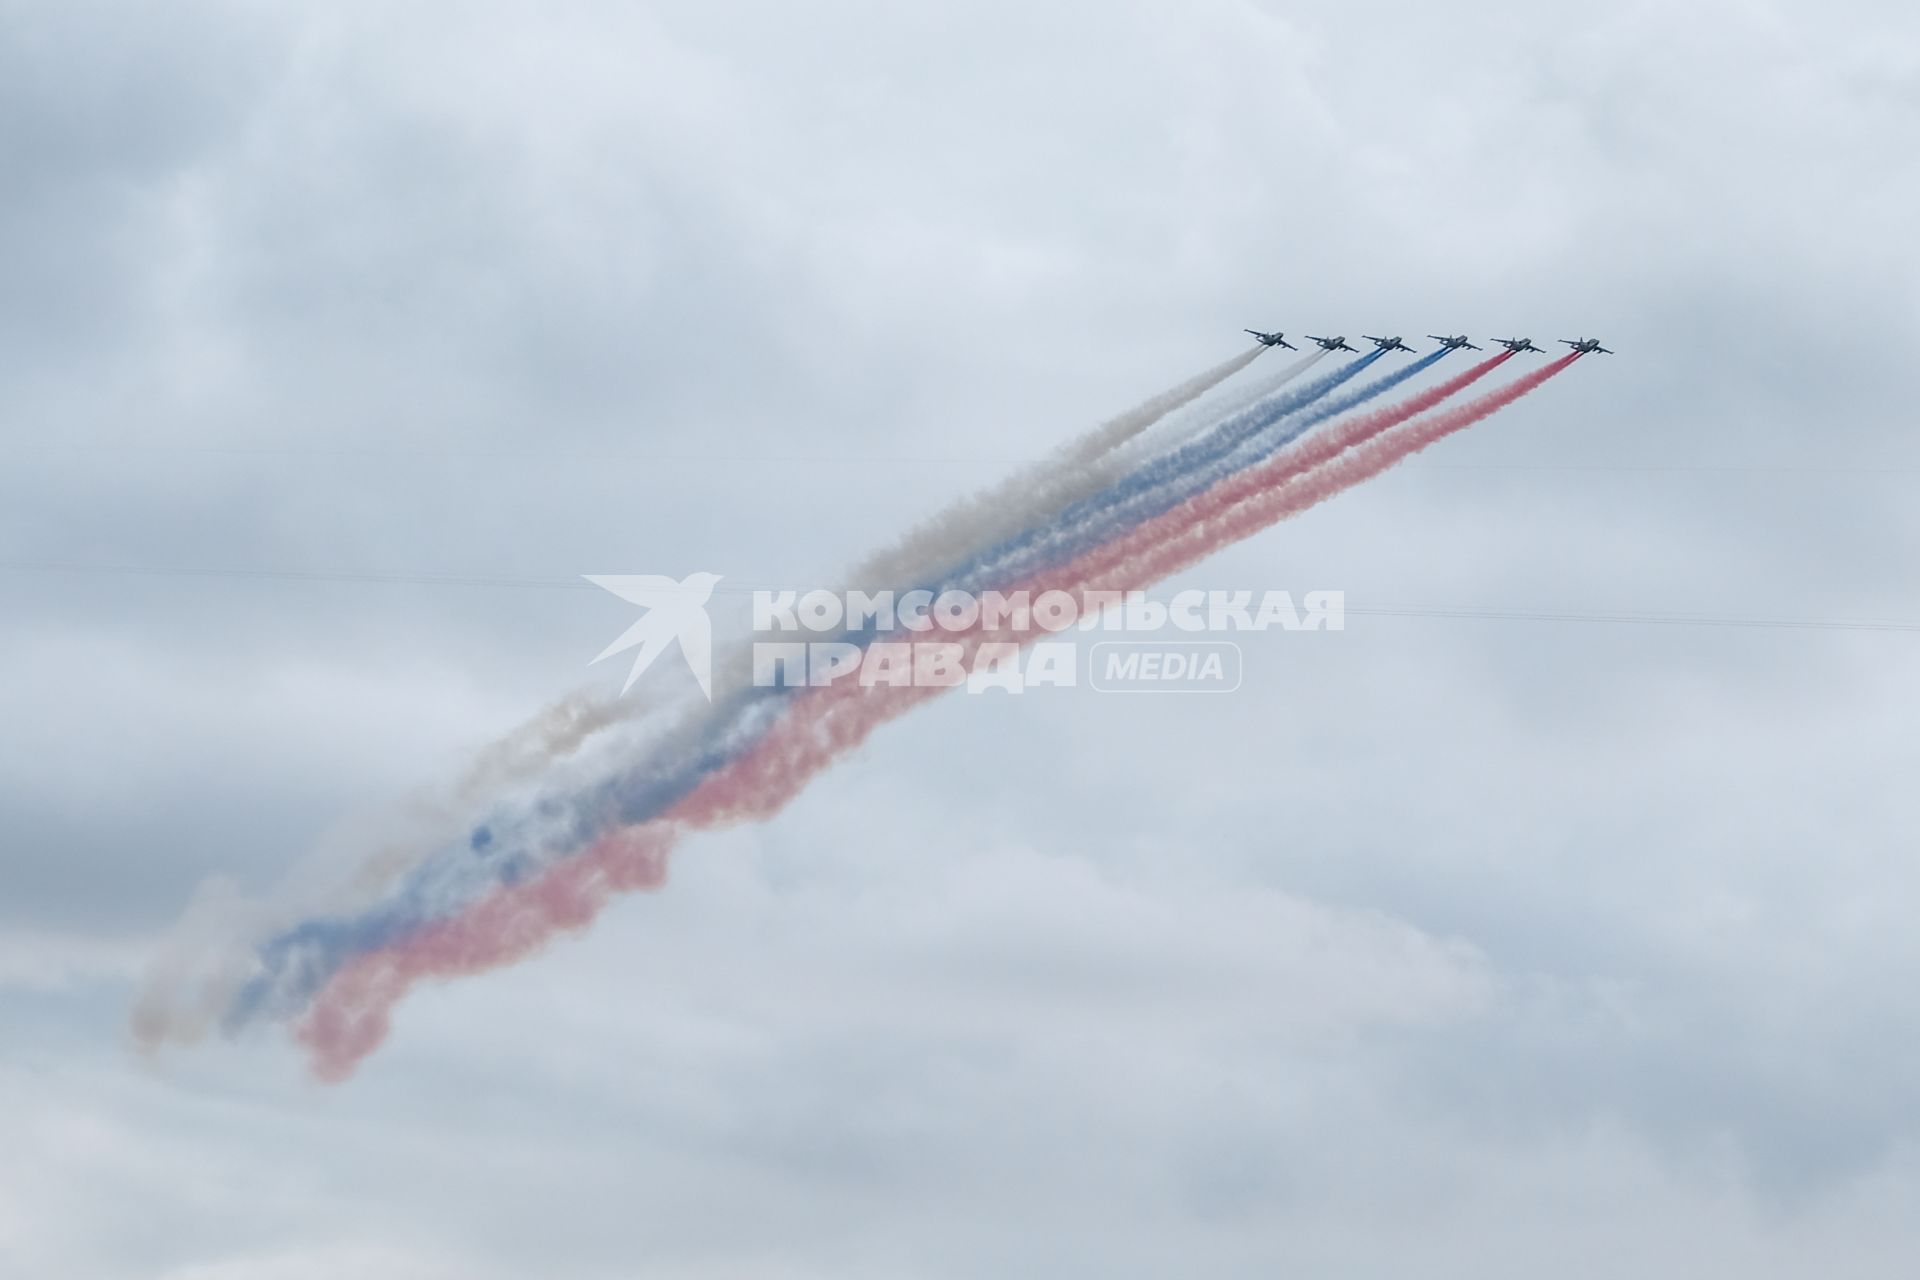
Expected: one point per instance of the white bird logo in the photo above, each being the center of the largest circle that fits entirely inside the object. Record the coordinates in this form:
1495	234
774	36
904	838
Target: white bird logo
675	610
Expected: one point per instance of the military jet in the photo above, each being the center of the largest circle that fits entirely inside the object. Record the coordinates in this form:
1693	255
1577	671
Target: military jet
1587	346
1273	339
1333	344
1517	345
1454	344
1388	344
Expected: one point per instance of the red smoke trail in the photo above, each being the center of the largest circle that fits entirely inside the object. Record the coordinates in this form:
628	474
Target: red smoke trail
352	1015
1245	503
1321	446
762	780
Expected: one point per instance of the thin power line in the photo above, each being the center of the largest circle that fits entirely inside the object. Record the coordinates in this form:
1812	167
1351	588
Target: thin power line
844	459
1634	617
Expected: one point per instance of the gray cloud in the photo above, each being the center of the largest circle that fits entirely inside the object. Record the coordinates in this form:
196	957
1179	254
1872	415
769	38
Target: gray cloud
1461	944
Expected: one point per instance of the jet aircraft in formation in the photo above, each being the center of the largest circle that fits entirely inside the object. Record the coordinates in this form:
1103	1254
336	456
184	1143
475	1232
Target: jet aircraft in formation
1273	339
1585	346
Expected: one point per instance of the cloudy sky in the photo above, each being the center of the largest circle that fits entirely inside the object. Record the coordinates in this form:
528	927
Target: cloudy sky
1575	935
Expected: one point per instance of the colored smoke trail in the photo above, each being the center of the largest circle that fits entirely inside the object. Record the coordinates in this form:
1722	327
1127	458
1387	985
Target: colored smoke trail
1256	499
1169	479
993	514
840	716
353	1012
1337	439
1237	508
1191	421
1074	474
173	1007
1035	493
297	961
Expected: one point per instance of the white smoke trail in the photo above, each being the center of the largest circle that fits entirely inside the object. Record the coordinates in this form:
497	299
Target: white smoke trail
1031	495
1175	429
207	935
1075	470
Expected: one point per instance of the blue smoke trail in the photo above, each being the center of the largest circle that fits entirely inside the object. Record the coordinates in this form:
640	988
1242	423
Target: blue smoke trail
1165	482
1197	452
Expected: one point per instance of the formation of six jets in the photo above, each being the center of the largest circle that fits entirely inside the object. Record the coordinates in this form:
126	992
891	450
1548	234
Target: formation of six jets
1586	346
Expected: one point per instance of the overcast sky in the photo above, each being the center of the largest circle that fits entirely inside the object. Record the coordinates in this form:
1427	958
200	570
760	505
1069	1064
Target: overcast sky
1487	946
